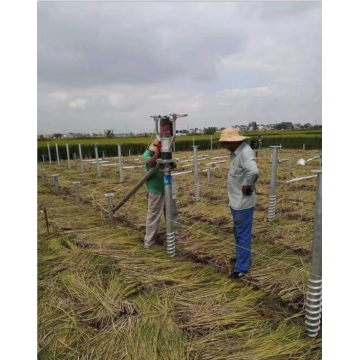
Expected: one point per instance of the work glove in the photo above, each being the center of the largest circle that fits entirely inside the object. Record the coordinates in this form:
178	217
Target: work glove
247	190
158	146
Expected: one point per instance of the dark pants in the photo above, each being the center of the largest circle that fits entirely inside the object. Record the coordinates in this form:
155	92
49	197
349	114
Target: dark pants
243	220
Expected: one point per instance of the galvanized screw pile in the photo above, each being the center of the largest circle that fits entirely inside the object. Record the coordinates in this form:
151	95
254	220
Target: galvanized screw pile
170	234
56	182
43	158
120	165
110	206
272	196
314	295
77	196
196	173
68	155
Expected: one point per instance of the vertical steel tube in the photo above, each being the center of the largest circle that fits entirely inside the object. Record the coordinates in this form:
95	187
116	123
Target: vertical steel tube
97	160
103	155
43	158
48	146
304	147
56	182
290	164
272	195
68	156
196	174
57	154
110	207
314	295
170	235
42	176
77	195
193	141
208	171
211	142
120	165
74	155
81	160
129	152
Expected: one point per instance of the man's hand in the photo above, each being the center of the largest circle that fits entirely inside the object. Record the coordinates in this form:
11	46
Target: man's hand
247	190
158	146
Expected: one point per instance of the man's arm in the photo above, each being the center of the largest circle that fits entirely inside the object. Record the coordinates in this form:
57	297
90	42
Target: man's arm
151	161
248	162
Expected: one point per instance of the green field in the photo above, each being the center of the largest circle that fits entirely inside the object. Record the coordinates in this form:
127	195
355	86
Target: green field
137	145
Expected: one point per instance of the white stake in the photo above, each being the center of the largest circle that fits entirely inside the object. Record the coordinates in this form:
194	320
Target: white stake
48	146
43	158
42	176
56	182
208	175
57	154
77	196
304	147
110	208
120	165
97	160
81	160
68	155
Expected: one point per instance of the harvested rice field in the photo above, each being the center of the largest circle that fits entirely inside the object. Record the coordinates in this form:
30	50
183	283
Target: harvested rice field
101	295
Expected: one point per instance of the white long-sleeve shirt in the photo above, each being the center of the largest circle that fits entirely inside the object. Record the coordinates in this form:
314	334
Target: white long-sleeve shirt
243	172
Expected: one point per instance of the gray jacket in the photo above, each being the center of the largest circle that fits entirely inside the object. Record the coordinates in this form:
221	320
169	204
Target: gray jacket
243	172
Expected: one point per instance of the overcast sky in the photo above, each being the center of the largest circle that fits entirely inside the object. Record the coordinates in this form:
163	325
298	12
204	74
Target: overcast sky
112	65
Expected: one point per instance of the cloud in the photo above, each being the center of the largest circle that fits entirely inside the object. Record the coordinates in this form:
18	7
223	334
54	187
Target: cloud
78	103
122	62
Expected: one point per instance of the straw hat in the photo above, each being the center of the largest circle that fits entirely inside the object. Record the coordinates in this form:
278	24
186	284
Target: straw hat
230	134
153	147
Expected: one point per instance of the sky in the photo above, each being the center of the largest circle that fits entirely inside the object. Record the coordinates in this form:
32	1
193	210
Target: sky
113	65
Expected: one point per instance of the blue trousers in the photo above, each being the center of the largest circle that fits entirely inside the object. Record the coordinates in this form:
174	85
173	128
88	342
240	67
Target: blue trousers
243	220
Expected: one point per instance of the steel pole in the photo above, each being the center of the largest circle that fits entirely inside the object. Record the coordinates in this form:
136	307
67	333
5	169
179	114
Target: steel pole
290	164
56	182
272	195
211	142
57	154
314	295
77	195
68	156
97	160
193	141
196	174
81	160
48	146
43	158
304	147
110	208
120	165
170	235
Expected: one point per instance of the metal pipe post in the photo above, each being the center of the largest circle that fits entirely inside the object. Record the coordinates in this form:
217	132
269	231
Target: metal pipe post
120	165
48	146
74	155
77	195
272	195
208	171
193	141
110	207
304	147
290	164
170	235
97	160
196	174
314	295
129	152
56	182
43	158
57	154
211	142
42	176
68	156
103	154
81	160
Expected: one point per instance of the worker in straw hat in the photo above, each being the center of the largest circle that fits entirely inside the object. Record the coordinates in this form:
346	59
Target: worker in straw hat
243	173
156	197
